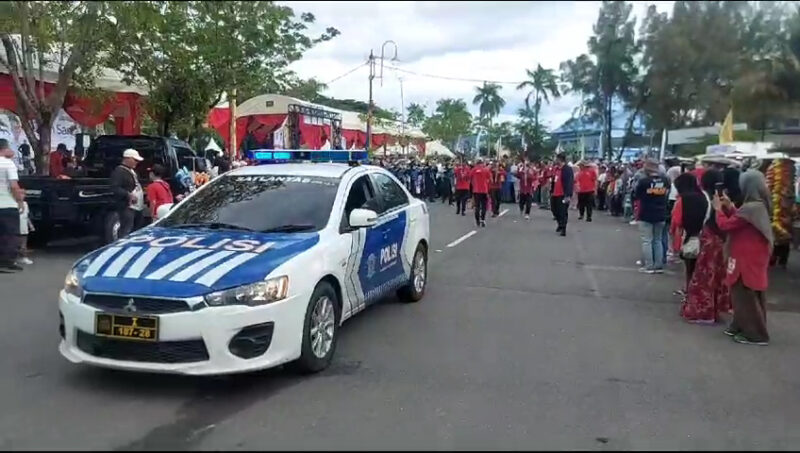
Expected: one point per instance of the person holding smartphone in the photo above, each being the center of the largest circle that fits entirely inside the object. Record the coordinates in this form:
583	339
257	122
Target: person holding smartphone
750	246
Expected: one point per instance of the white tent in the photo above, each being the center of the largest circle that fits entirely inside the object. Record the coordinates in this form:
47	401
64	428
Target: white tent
212	146
436	148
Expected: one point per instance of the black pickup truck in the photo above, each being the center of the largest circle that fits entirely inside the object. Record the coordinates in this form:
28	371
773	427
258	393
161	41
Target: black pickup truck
84	205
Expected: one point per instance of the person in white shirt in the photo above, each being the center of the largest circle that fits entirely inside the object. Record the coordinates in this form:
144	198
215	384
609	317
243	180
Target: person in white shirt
25	227
11	199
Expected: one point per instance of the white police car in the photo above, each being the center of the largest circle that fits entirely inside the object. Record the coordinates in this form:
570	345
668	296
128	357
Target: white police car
257	268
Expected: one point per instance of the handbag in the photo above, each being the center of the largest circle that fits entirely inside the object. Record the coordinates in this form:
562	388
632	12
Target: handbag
691	246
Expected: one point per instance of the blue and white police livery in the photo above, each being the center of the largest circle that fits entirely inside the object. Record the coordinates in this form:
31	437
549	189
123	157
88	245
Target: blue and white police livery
255	269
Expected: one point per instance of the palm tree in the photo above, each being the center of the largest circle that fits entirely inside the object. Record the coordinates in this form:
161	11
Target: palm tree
543	84
488	100
415	114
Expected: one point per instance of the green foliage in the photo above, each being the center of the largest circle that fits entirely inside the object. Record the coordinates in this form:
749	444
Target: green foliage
190	53
69	38
607	74
450	120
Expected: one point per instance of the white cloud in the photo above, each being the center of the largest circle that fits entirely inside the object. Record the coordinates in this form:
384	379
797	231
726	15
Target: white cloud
471	40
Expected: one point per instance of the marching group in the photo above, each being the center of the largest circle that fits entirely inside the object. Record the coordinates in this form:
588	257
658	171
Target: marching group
715	220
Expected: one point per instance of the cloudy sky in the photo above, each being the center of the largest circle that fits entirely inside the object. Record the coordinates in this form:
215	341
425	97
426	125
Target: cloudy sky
493	41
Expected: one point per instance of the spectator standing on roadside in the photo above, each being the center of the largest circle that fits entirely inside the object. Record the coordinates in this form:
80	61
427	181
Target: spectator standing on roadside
11	203
750	245
127	191
158	191
651	193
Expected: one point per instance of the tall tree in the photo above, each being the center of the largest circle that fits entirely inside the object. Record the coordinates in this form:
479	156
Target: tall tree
38	37
210	48
415	115
542	84
604	76
450	120
488	100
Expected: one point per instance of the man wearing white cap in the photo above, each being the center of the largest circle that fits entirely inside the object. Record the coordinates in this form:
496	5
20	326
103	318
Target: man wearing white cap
128	194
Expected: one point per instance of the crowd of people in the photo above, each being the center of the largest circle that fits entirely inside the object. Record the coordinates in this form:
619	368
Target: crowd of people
713	218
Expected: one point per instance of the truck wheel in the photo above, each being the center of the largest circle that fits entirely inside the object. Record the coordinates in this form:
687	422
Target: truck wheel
111	226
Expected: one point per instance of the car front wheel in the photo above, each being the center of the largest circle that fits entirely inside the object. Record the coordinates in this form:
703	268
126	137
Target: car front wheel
320	330
415	289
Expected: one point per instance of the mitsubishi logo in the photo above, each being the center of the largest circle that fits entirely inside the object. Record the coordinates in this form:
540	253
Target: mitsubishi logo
130	307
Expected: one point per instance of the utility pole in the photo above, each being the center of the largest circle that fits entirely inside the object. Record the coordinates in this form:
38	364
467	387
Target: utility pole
403	118
370	107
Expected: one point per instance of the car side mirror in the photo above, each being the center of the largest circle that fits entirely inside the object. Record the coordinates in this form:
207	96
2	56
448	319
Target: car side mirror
363	218
163	210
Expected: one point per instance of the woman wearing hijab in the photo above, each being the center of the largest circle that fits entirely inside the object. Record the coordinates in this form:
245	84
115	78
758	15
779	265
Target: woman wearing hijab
690	212
750	246
707	295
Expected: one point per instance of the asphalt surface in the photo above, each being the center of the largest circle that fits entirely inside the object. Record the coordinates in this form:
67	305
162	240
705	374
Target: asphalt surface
525	340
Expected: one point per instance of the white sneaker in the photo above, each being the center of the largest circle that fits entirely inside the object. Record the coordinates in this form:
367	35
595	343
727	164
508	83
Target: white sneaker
639	263
527	217
633	222
25	260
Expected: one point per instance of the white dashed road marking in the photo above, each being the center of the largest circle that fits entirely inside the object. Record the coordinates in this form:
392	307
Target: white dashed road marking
462	238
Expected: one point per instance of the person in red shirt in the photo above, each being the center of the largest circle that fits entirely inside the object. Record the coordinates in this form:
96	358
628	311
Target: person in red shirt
750	240
462	175
480	176
562	190
158	191
587	185
498	177
528	179
57	158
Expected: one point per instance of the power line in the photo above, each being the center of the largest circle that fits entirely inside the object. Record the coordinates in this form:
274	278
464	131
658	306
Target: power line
433	76
346	73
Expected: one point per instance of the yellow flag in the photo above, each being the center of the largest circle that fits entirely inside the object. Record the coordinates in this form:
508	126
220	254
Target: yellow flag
726	131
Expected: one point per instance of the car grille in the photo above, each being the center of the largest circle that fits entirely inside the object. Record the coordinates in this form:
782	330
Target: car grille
144	305
139	351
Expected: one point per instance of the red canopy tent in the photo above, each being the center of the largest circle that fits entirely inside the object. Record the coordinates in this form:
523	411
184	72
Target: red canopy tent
125	108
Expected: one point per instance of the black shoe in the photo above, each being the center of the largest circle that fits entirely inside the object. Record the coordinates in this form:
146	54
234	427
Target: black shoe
10	268
483	223
589	220
563	233
558	229
463	213
580	218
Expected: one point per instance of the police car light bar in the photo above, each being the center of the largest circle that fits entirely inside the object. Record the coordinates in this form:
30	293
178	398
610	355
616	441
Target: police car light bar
272	156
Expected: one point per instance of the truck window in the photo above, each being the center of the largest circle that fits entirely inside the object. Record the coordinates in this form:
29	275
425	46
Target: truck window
105	153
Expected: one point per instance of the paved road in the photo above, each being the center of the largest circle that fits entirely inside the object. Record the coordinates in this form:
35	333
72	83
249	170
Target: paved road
525	340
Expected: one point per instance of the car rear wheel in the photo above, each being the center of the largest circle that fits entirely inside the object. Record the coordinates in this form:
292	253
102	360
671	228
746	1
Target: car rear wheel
415	289
320	330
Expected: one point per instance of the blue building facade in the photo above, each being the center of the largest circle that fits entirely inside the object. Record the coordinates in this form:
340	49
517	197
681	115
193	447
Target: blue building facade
588	133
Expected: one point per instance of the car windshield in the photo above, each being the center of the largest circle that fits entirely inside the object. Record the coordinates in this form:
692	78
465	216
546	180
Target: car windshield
271	203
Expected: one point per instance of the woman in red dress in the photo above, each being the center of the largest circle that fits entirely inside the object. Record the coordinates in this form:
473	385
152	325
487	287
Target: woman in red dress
707	295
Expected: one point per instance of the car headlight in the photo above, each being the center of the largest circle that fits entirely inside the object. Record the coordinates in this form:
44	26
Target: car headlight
72	284
259	293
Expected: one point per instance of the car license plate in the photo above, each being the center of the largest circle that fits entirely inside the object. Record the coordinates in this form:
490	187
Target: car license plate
128	327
